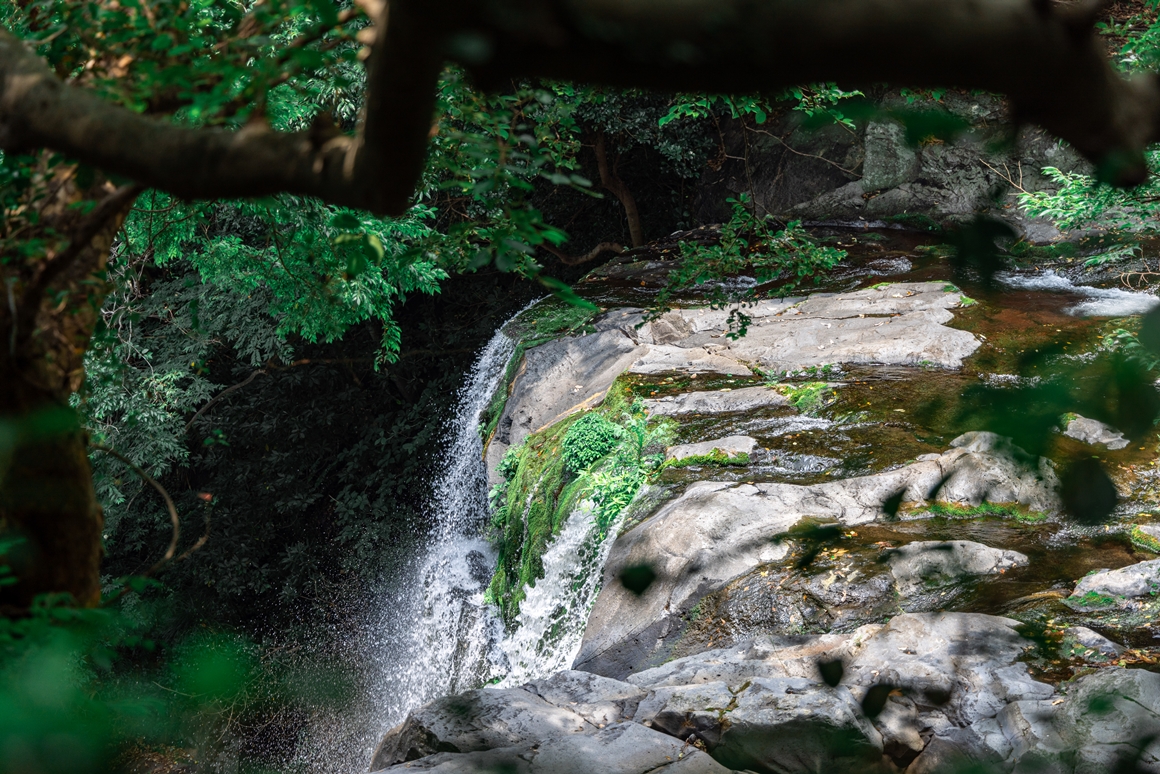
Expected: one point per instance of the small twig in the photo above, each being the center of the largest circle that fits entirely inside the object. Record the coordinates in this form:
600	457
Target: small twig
169	552
215	399
172	549
1007	177
591	255
792	149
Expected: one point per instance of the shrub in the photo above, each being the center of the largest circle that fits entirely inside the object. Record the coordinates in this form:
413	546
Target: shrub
588	439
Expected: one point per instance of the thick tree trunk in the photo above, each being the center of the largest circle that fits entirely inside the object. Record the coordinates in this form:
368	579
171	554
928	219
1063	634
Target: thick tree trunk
47	501
51	307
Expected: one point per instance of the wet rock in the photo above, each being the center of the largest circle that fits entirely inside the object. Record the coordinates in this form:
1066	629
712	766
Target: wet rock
939	562
1081	638
715	401
730	446
716	532
599	700
485	719
659	359
1137	580
1093	432
558	378
768	724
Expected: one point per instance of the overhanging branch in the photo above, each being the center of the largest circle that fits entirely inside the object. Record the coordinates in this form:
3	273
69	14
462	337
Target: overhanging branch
1046	59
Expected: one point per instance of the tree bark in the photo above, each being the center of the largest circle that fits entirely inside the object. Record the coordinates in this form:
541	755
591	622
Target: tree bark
50	309
610	180
1047	59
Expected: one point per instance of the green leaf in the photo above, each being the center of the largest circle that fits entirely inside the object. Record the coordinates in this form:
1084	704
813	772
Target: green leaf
345	221
564	292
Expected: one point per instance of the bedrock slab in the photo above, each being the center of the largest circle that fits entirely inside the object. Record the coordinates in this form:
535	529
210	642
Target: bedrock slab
763	707
938	562
715	401
718	531
902	324
730	446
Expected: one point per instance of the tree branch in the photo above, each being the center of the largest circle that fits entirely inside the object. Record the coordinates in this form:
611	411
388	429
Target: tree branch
610	180
172	549
83	235
1046	59
591	255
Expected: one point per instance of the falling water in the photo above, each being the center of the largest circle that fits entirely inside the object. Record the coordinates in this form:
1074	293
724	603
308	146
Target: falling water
449	640
435	634
552	617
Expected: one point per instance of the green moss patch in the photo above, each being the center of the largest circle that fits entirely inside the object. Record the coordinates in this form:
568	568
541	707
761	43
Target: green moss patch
1001	510
601	456
715	457
1092	600
1143	540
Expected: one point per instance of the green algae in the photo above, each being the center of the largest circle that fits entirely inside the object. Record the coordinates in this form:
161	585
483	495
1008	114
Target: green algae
715	457
1001	510
1143	540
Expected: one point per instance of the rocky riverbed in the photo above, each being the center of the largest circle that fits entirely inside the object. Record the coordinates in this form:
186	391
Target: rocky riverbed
820	559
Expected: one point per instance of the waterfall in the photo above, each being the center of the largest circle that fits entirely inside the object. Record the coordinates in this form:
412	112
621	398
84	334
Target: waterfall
434	634
553	615
444	635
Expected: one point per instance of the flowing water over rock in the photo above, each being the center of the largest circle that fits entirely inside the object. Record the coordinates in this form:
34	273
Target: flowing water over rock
791	556
552	617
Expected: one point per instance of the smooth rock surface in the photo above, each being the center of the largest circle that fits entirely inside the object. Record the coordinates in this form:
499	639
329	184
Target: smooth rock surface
477	720
715	401
899	324
730	446
1094	432
717	531
1136	580
939	562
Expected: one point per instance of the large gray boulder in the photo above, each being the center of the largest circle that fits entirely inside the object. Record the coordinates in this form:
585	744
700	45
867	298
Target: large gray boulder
1091	431
485	719
1135	580
898	324
769	724
599	700
1104	722
716	532
936	562
624	748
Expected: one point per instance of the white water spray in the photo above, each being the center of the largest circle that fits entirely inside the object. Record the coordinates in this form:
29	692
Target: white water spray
553	615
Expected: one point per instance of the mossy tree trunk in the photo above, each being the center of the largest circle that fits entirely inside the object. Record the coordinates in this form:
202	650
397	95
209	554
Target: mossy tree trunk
52	298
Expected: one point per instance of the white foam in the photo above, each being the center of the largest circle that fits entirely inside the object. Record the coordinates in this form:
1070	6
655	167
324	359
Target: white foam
1101	302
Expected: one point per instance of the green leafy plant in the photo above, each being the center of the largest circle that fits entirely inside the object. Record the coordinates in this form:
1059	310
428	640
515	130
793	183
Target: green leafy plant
589	439
786	255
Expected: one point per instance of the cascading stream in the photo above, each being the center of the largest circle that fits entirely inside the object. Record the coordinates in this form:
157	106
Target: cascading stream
552	617
435	634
